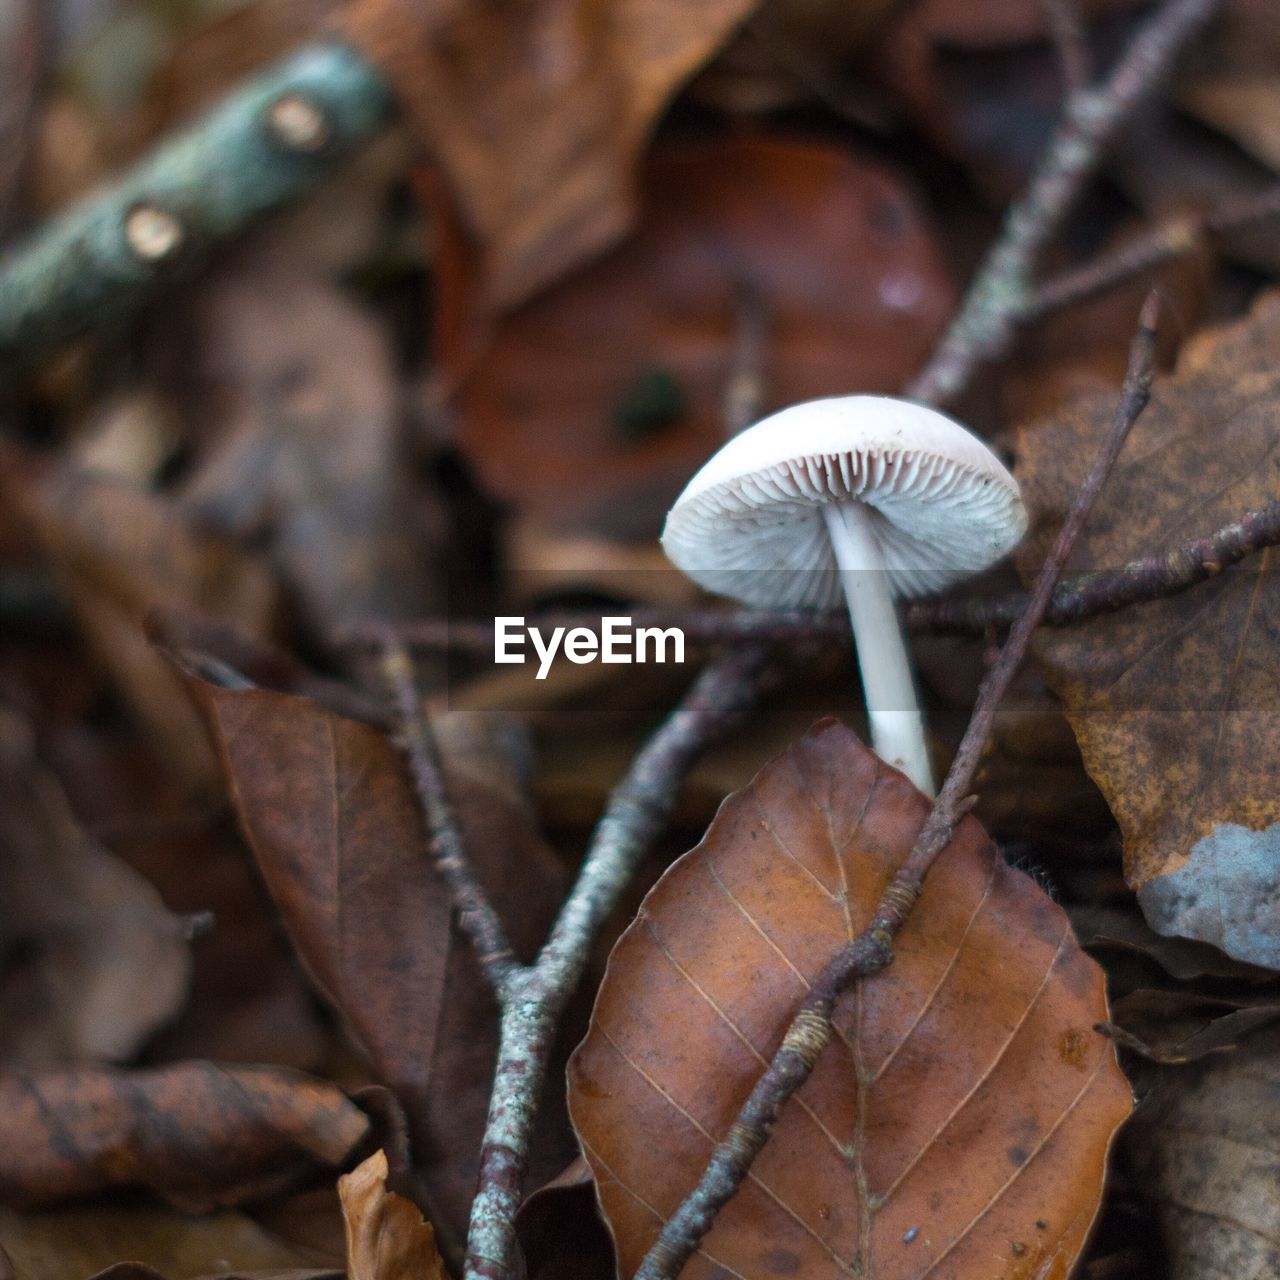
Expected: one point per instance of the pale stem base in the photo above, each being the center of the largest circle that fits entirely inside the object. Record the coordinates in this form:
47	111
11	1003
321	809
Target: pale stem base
897	725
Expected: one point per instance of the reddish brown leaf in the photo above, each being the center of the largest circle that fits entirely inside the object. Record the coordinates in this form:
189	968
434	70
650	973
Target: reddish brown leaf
387	1237
537	113
328	809
199	1135
583	435
958	1125
1173	703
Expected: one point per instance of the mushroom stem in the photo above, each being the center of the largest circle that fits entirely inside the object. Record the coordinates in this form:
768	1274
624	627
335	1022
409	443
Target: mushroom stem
897	725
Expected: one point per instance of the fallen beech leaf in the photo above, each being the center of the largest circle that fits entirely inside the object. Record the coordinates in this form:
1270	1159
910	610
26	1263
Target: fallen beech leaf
1174	702
538	114
1207	1144
118	552
200	1135
334	825
960	1120
93	963
70	1244
387	1236
851	287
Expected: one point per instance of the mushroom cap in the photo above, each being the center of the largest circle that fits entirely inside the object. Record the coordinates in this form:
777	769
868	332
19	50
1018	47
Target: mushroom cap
750	524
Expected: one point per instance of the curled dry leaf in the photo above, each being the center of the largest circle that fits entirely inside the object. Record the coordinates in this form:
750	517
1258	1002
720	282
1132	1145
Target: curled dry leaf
957	1126
387	1236
199	1135
830	252
93	963
1207	1146
1184	1026
539	154
1174	703
333	822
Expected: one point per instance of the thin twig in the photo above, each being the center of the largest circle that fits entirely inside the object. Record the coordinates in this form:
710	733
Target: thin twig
872	949
1067	30
533	997
479	919
1170	239
1075	599
990	312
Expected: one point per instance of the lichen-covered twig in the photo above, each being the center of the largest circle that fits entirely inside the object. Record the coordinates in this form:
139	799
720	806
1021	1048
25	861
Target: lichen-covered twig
998	296
872	950
277	136
533	997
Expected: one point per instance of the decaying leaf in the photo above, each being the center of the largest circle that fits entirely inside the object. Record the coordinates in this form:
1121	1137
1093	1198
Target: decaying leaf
93	963
1207	1144
1176	704
831	251
199	1135
960	1121
333	822
71	1244
537	113
387	1236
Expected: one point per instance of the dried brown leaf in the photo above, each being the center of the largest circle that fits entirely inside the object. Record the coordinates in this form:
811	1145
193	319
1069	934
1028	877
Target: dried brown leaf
93	963
599	436
333	822
70	1244
1207	1146
1174	703
960	1120
387	1236
200	1135
538	113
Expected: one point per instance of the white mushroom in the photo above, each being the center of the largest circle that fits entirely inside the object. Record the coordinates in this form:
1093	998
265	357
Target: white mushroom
865	496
